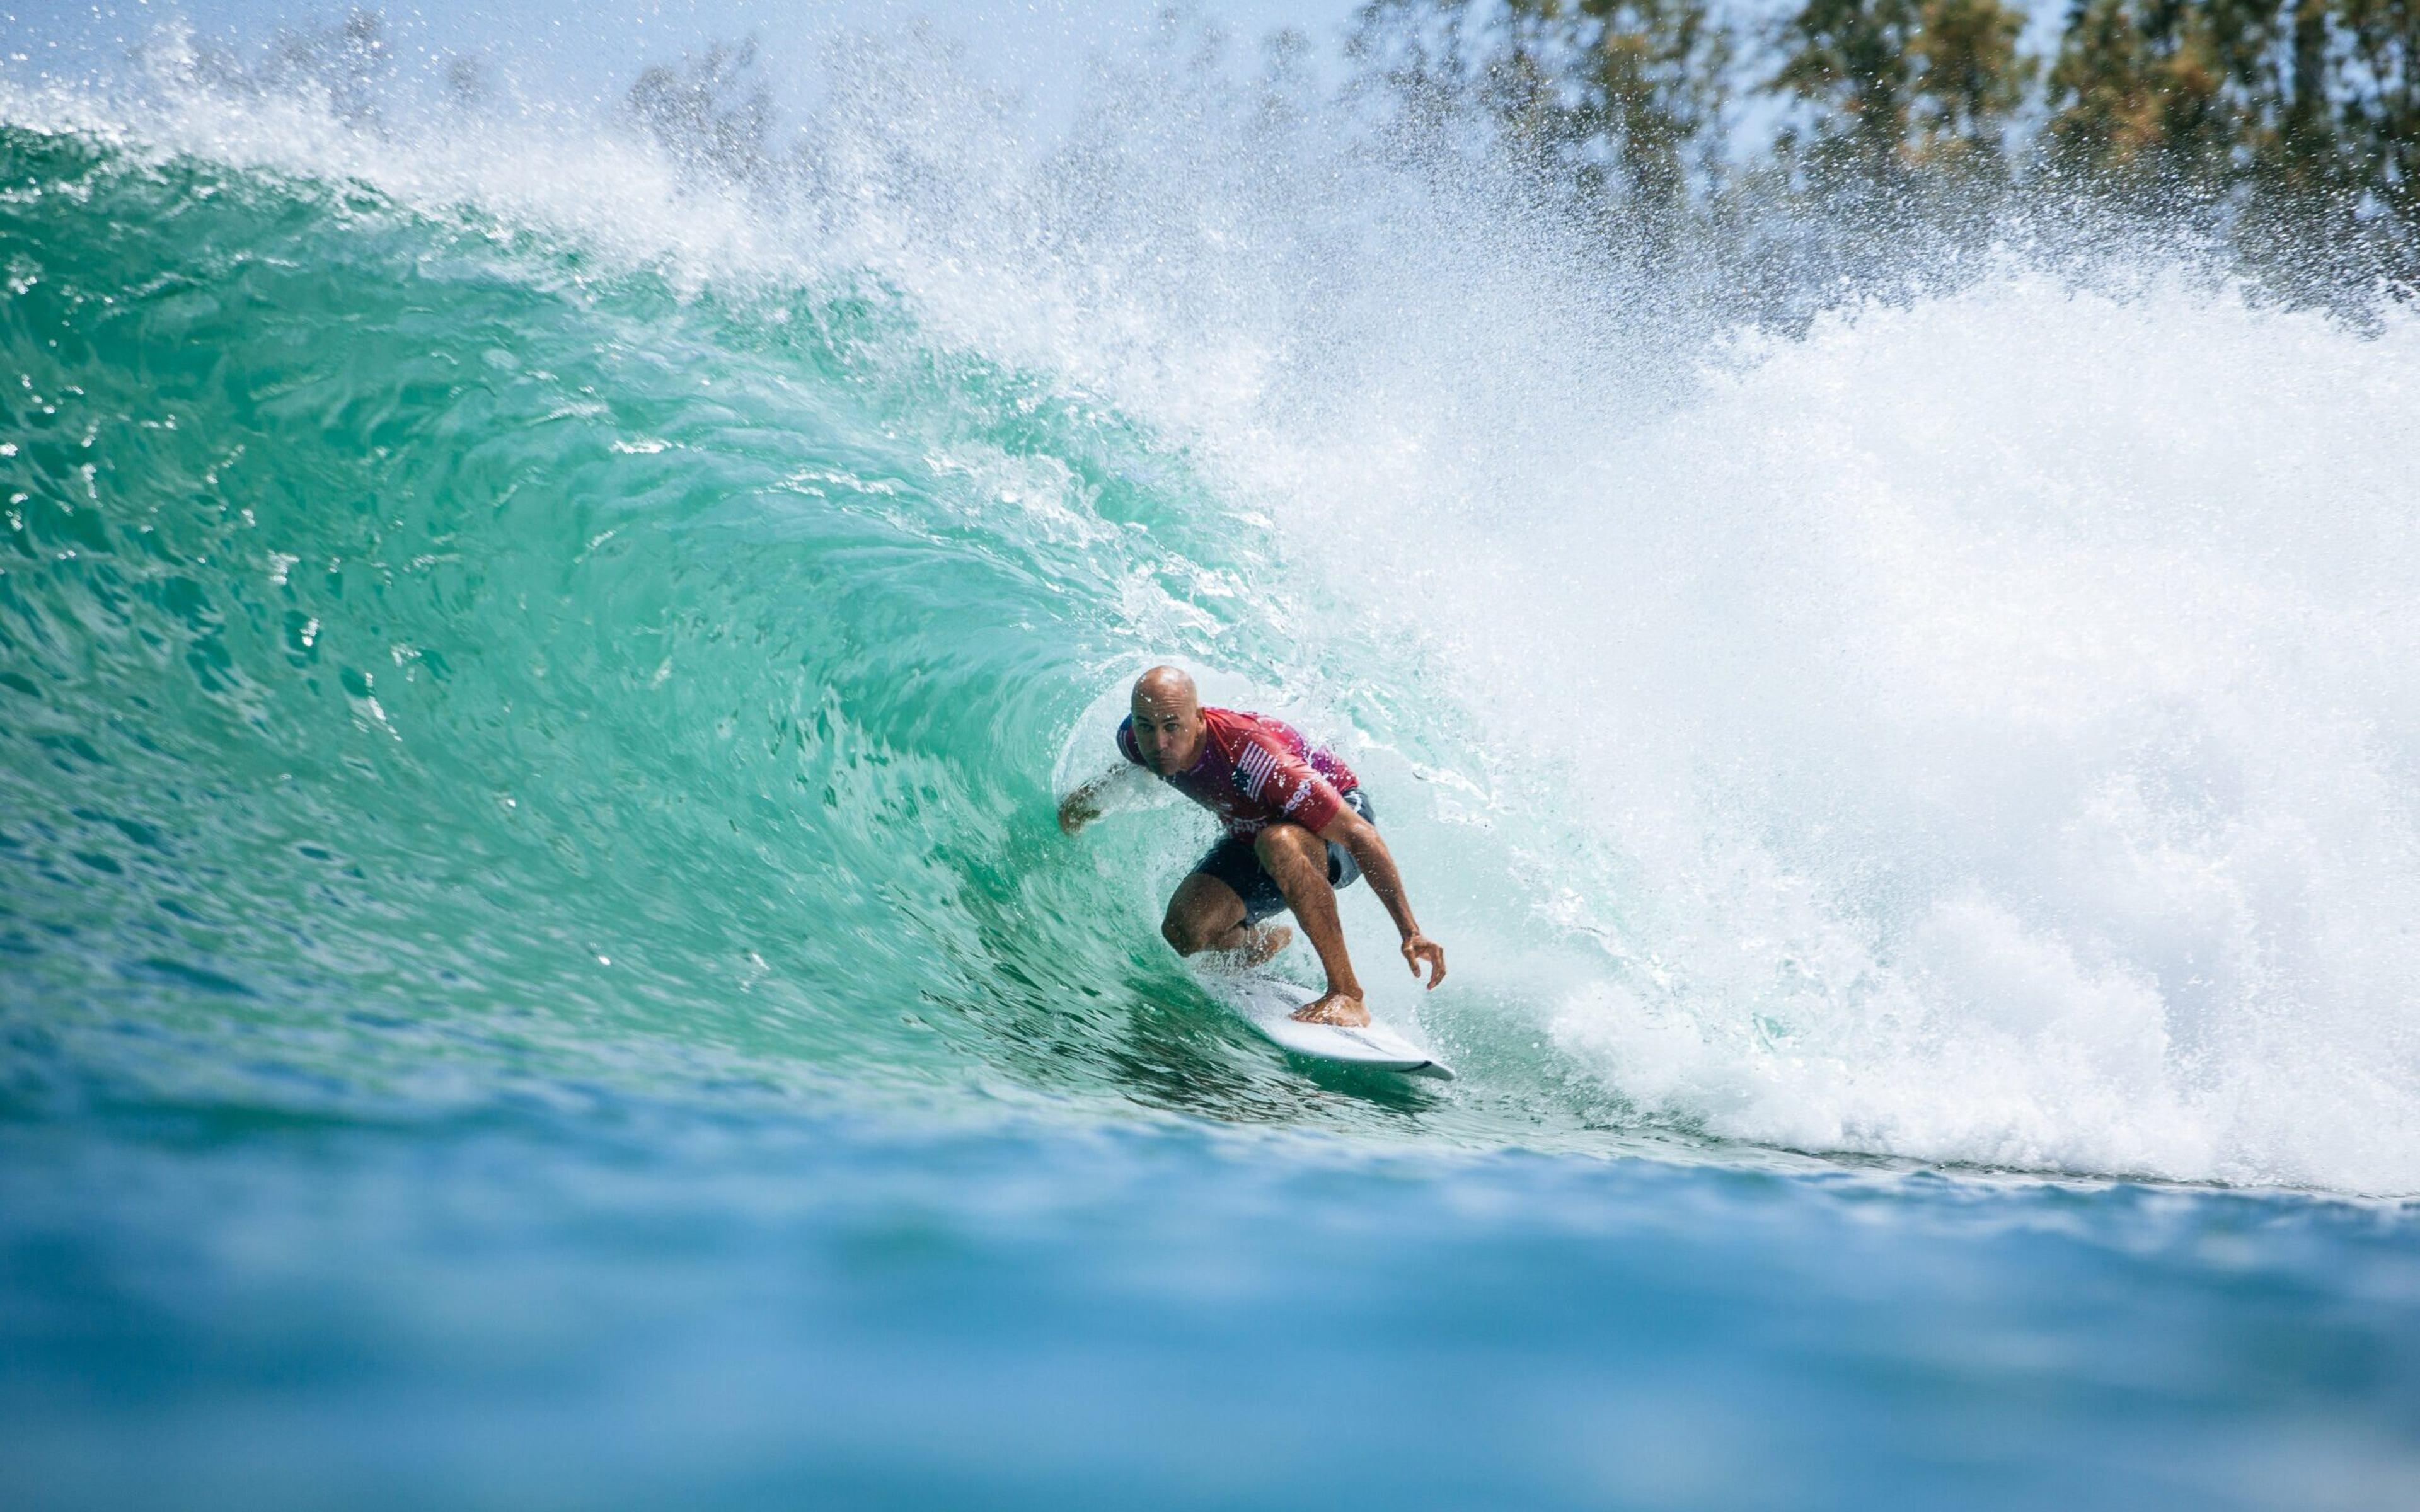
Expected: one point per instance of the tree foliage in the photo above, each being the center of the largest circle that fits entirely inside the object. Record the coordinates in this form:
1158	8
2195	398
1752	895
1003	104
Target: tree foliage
2294	124
1597	99
1900	84
711	112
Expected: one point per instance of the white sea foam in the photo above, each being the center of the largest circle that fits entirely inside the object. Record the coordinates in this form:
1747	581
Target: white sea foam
1991	731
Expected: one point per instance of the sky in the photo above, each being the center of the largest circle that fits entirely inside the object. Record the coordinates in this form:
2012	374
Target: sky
586	51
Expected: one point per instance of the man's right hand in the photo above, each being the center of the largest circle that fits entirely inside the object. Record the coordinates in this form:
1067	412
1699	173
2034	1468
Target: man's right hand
1077	811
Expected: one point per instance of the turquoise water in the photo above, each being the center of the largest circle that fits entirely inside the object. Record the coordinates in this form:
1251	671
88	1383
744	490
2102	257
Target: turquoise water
538	967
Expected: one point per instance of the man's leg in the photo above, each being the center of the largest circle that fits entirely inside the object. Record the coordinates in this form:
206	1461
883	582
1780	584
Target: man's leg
1298	860
1207	913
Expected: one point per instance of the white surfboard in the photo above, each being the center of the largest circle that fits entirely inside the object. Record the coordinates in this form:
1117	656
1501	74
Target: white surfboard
1268	1004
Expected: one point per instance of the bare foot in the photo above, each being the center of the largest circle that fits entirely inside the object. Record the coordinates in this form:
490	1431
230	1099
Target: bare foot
1336	1008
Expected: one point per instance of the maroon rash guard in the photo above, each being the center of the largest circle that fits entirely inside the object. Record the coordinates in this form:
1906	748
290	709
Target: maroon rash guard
1255	771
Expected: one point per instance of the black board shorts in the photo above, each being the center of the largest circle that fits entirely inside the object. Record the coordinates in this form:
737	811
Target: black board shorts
1233	862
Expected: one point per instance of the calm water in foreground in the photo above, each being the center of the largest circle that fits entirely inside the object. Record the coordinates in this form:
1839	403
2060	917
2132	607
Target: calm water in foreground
620	1306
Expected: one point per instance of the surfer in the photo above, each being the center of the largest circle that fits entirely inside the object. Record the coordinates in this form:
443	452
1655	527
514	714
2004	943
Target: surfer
1298	827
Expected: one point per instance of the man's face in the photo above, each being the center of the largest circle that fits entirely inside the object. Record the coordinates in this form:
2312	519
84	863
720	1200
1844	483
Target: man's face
1167	729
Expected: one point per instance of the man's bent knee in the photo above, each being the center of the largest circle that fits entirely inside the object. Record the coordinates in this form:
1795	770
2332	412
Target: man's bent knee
1180	935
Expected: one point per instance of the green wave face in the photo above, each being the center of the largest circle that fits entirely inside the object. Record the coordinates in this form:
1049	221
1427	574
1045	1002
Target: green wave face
438	672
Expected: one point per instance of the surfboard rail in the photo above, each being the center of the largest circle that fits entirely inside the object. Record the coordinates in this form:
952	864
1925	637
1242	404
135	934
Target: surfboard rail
1269	1005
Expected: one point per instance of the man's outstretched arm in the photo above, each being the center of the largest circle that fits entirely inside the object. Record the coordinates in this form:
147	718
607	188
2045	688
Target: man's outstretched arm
1361	837
1082	806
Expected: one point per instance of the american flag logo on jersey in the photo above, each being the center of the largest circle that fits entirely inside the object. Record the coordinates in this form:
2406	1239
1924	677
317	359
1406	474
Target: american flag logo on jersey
1252	773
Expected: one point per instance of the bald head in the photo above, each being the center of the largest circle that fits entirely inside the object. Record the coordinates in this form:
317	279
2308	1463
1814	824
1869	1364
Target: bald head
1165	688
1168	727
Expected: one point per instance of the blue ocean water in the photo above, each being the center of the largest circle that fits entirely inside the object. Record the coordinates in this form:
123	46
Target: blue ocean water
641	1308
537	968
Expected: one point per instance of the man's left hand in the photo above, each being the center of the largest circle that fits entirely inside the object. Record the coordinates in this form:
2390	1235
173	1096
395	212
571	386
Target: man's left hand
1418	947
